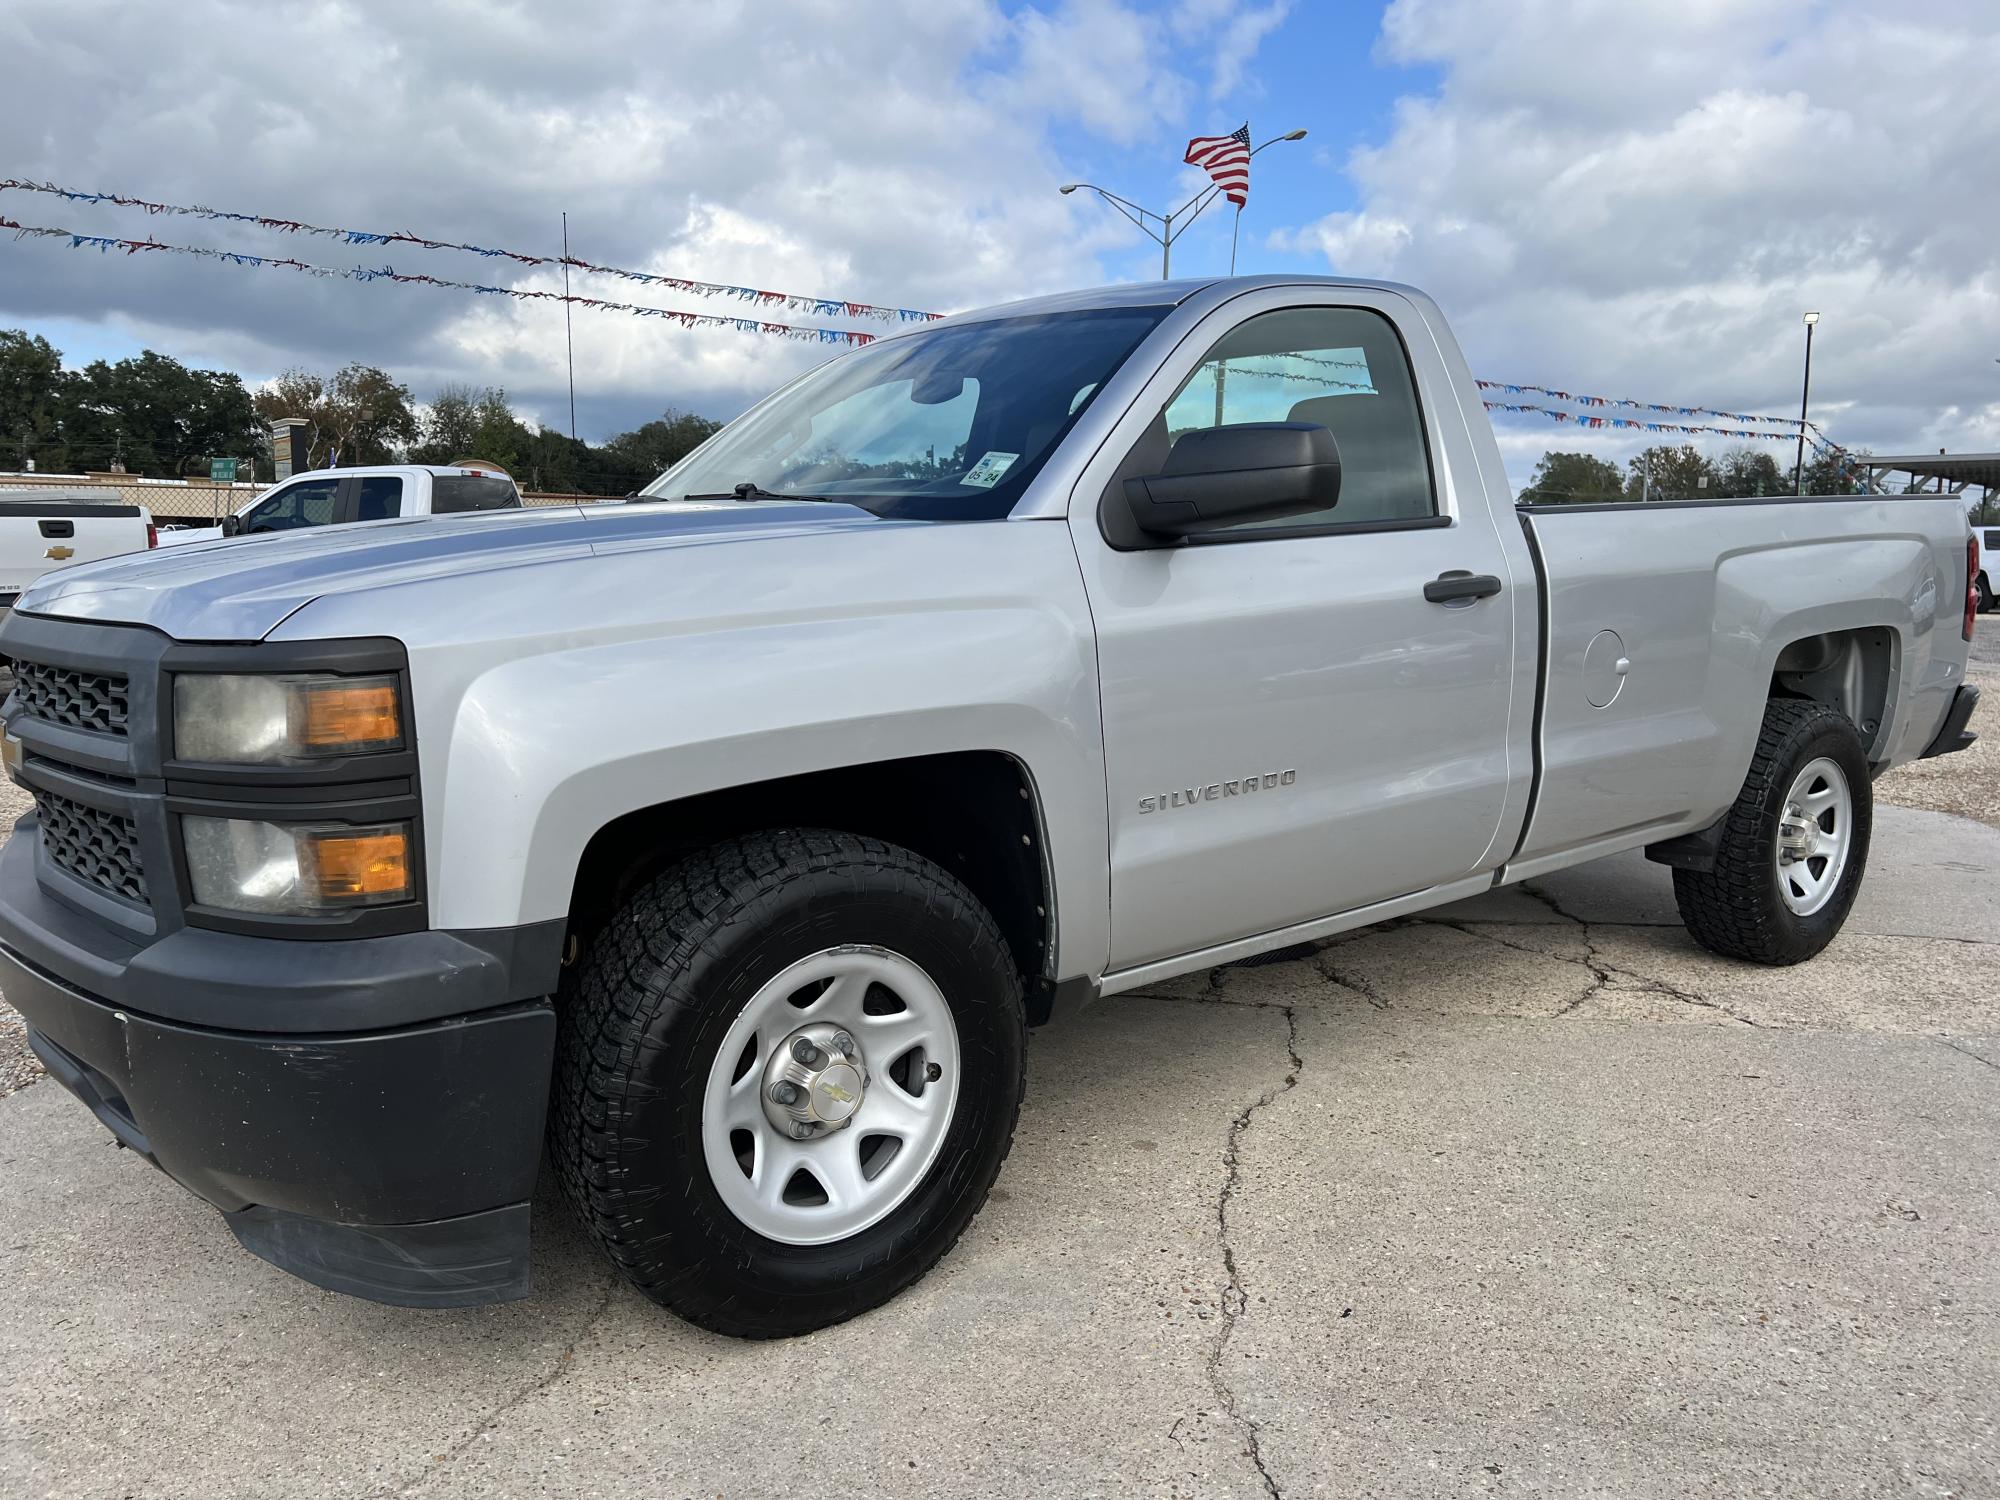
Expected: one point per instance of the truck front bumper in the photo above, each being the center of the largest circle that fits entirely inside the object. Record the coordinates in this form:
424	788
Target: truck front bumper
394	1163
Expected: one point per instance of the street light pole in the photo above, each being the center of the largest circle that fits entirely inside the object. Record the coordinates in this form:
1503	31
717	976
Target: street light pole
1805	395
1173	225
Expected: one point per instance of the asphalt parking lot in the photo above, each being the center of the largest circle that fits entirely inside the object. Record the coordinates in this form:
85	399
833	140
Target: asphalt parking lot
1529	1197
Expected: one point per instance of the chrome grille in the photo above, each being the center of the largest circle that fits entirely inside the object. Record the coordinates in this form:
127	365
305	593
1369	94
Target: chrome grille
99	848
63	695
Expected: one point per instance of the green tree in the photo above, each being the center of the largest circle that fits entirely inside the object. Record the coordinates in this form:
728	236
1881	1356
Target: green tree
448	426
656	446
31	399
1670	473
1573	479
1831	473
358	415
158	415
1746	471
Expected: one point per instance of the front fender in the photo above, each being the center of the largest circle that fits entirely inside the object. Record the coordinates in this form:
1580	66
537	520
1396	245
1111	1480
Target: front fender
646	678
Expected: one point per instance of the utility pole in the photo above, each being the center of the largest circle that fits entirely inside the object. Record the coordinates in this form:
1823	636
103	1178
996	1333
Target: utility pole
1805	395
569	345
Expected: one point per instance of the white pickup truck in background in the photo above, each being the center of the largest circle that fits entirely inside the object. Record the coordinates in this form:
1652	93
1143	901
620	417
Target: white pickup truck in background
334	497
42	530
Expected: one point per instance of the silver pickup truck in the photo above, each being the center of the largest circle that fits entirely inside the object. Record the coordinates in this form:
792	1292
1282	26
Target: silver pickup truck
1027	657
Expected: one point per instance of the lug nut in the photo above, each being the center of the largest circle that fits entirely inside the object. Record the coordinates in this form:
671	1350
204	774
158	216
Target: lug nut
800	1130
933	1072
785	1092
843	1044
806	1052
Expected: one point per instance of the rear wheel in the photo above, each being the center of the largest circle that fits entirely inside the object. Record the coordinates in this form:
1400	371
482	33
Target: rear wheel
1985	594
788	1073
1793	848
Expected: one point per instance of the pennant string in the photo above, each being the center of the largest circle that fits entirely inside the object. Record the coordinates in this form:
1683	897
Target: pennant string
1586	421
791	301
1515	388
105	243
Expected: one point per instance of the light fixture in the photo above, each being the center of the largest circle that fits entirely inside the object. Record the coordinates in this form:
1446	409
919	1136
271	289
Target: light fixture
1811	318
1069	187
1296	135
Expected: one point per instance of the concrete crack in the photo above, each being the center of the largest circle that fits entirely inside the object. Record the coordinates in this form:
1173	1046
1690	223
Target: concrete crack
1322	962
1235	1298
1967	1052
527	1392
1601	968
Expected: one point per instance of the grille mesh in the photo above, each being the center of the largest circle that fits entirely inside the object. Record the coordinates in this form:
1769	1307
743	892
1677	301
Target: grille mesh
63	695
99	848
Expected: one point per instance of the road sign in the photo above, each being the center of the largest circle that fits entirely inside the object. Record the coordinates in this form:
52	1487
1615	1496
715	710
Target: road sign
222	470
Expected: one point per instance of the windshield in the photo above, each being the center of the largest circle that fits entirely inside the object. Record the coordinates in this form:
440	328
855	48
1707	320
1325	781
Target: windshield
947	424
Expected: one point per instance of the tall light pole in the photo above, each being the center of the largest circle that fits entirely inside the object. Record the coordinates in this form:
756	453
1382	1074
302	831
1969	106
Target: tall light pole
1805	395
1172	225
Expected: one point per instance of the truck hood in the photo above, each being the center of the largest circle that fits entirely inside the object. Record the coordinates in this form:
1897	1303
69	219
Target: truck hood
242	588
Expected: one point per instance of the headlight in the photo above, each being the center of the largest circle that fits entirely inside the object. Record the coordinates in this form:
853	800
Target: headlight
296	869
244	720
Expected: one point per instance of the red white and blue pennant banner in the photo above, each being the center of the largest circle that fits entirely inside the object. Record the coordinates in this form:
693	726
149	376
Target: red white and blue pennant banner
104	242
823	307
1637	425
1514	388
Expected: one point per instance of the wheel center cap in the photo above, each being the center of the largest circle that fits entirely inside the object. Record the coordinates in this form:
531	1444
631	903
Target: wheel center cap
837	1092
815	1081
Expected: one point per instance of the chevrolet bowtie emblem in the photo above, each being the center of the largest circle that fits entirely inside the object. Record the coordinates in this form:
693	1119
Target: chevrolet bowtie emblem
60	554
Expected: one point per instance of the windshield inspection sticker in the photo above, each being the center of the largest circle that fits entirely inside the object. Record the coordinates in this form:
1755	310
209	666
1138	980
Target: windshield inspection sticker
987	472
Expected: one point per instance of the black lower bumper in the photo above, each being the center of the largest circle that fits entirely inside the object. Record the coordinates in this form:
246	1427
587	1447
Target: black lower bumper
1952	735
394	1165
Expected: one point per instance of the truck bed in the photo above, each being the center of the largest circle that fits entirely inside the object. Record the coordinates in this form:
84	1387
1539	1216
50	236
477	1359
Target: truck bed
1696	599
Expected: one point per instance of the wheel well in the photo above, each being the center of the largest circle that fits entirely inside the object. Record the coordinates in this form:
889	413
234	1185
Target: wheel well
1848	669
975	813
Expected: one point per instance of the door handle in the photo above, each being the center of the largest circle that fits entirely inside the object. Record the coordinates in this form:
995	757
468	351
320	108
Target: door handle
1460	586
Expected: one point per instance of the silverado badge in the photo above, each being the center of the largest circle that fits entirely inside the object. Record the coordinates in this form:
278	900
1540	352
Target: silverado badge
1215	791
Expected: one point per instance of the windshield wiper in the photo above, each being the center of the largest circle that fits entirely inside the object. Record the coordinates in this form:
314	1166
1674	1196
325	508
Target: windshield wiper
749	491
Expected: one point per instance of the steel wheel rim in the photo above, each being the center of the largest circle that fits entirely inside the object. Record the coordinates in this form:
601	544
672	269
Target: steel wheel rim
909	1058
1815	836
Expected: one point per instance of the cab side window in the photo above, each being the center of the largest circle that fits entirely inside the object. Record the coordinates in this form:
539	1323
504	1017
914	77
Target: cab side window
307	503
380	497
1342	368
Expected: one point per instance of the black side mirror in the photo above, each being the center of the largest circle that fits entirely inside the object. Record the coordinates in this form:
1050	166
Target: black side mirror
1225	476
232	525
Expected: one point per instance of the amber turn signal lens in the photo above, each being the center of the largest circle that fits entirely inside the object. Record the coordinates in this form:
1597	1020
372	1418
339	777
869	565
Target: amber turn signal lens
368	865
347	716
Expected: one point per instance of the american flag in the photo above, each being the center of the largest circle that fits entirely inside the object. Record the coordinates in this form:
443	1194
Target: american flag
1226	159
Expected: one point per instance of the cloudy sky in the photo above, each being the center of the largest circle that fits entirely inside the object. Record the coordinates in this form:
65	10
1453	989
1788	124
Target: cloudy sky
1630	197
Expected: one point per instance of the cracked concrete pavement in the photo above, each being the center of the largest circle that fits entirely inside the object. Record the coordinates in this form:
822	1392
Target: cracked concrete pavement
1528	1195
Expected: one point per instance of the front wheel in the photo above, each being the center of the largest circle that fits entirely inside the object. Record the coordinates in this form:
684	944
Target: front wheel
788	1072
1793	848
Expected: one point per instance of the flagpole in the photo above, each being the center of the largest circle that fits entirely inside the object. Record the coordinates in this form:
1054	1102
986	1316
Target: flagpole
1187	213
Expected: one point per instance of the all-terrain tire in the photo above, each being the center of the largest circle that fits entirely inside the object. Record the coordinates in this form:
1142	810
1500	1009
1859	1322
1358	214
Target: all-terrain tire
1737	909
644	1013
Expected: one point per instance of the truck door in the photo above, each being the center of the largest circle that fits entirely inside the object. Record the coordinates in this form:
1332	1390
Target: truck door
1292	727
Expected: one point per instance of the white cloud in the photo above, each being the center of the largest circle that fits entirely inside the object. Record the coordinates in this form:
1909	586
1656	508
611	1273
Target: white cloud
1642	198
894	152
1241	34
